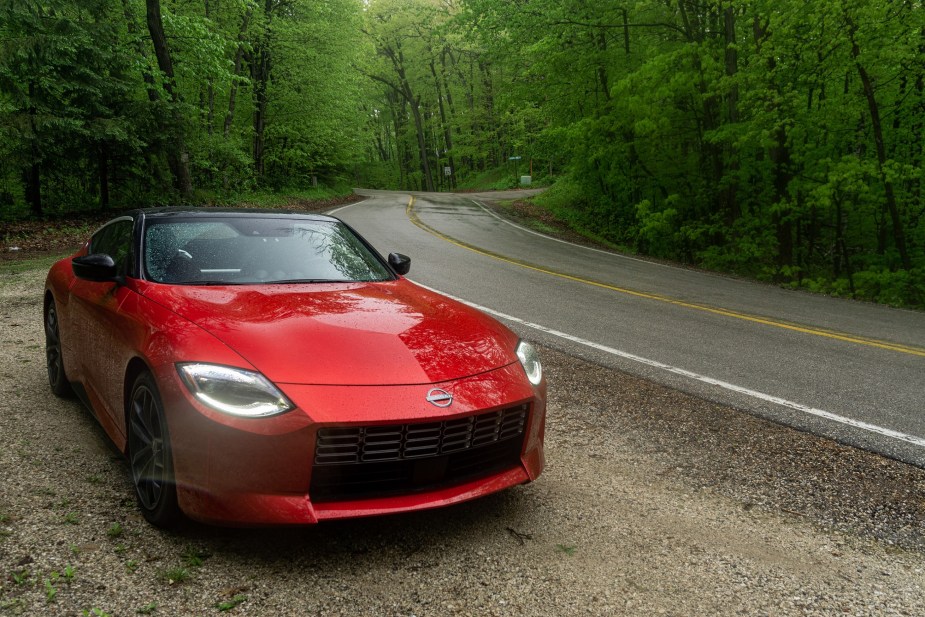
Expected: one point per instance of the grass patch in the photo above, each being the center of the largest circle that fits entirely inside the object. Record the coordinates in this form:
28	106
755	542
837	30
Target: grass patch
20	577
227	605
566	204
174	575
566	549
50	591
497	179
115	530
505	177
194	557
12	267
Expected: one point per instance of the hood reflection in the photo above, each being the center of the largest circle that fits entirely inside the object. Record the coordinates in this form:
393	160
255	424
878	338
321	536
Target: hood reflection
385	333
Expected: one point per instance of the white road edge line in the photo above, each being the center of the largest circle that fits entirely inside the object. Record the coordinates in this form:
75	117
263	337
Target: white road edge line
820	413
356	203
581	246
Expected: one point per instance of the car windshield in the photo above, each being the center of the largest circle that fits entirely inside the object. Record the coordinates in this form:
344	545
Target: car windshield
255	250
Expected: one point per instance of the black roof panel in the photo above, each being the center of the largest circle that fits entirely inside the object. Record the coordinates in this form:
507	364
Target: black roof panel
192	211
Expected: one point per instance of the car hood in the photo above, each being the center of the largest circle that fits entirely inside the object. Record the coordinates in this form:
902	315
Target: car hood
390	333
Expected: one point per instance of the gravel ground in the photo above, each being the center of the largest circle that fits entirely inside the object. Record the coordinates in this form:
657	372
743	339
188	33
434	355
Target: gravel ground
653	502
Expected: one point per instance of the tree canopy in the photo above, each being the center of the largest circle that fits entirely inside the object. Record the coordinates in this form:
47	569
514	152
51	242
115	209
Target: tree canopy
779	139
140	102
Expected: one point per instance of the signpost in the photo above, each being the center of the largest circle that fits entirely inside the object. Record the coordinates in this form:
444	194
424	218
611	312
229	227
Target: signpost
524	180
515	159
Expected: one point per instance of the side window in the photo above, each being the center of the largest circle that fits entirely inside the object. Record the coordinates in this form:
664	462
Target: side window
115	240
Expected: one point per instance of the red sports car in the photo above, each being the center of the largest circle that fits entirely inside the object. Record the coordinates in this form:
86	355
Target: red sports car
263	368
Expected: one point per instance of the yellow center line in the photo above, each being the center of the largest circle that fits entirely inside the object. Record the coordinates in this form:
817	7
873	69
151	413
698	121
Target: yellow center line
839	336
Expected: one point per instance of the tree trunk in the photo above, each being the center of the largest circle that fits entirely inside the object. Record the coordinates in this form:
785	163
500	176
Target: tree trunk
449	102
177	156
238	57
494	154
729	197
103	170
33	177
414	102
210	88
779	154
445	125
422	145
260	71
261	77
732	62
899	236
626	31
603	80
210	107
133	32
917	141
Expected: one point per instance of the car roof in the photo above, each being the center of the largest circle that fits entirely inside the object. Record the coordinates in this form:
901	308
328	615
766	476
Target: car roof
207	211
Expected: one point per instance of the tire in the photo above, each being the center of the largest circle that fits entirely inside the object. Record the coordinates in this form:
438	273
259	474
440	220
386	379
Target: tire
54	361
150	454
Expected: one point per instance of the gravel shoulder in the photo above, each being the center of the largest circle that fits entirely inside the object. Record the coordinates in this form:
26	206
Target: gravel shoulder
653	502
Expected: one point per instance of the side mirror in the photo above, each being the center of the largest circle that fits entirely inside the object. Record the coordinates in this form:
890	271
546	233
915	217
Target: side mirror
400	263
99	268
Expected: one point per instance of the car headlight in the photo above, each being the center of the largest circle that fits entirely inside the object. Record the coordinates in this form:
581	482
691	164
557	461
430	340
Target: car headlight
530	360
233	391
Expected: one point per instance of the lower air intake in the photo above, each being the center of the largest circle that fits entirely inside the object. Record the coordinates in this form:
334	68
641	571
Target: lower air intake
372	461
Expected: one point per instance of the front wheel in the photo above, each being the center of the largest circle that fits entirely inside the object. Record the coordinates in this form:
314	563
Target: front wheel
54	361
150	455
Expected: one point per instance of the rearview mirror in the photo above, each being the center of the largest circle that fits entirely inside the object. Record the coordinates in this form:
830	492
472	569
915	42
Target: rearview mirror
400	263
99	268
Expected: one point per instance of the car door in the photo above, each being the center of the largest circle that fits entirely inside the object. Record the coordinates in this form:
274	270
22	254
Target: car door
102	331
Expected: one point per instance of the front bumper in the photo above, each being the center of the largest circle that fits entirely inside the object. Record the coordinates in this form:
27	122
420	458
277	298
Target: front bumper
238	471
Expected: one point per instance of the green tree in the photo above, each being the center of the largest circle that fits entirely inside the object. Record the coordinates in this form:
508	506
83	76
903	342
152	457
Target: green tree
66	103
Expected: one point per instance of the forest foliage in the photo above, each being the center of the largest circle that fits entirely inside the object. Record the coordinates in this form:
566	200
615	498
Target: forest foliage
117	103
777	139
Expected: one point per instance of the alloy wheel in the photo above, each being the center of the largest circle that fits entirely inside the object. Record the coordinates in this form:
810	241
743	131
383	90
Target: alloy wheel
147	448
53	359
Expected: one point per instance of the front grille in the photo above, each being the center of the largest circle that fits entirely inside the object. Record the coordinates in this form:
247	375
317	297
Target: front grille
369	461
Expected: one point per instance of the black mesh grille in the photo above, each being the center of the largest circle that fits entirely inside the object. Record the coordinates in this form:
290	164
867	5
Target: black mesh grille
371	461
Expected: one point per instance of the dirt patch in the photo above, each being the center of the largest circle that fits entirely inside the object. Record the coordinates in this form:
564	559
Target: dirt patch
652	502
38	238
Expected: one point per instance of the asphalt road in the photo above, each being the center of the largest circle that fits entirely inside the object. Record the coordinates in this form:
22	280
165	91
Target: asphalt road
851	371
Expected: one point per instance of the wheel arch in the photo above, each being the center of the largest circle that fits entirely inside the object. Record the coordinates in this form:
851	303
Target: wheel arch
135	367
50	299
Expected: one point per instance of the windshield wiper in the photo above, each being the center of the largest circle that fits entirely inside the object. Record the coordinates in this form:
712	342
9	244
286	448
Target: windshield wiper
296	281
208	283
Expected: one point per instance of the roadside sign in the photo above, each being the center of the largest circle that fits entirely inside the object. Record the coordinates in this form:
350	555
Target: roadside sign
447	171
514	158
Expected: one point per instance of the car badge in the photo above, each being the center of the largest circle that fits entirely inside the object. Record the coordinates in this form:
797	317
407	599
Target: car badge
439	398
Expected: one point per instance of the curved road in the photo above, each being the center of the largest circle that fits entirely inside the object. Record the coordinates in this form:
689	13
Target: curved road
851	371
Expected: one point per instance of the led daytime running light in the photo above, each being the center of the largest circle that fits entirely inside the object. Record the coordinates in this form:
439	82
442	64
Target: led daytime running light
233	391
530	361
